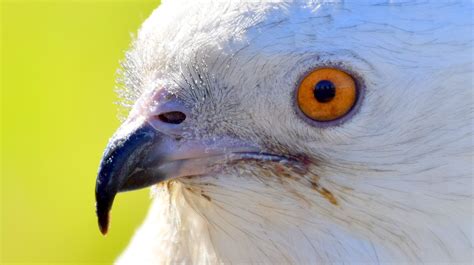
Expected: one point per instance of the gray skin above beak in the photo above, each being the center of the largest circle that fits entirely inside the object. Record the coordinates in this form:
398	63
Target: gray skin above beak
122	169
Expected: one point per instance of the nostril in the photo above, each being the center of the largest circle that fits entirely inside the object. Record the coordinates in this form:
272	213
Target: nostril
173	117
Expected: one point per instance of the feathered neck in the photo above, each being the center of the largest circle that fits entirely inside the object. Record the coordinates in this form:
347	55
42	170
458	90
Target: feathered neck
231	219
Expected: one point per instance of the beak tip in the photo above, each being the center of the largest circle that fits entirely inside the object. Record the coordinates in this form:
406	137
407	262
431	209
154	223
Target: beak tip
104	223
103	231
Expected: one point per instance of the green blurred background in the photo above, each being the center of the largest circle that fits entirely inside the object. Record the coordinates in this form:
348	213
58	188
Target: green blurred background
58	64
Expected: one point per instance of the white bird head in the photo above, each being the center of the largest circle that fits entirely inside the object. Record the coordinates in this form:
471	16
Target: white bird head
298	133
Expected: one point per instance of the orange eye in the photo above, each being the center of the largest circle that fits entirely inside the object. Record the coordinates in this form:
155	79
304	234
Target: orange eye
326	94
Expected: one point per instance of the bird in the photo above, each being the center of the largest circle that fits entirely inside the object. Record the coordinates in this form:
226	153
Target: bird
297	132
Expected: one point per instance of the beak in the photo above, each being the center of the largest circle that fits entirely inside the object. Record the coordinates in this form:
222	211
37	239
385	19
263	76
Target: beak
139	155
147	150
122	169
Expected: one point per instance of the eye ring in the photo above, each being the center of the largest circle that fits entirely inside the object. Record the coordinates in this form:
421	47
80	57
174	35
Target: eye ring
327	95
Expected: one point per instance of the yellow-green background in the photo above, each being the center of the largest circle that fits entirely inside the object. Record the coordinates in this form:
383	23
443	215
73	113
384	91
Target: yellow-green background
58	63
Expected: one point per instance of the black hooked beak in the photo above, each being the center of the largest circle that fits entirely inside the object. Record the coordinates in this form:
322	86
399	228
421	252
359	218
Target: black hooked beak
122	169
146	151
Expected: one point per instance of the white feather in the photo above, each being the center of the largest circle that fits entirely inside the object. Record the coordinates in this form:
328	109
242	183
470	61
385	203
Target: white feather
400	167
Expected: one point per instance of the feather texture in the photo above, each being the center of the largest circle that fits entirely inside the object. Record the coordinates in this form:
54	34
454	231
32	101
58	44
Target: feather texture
392	183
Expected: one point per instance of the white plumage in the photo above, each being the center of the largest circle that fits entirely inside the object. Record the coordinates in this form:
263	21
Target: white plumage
392	183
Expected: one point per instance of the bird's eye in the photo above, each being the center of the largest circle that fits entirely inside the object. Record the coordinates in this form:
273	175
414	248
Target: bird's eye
326	94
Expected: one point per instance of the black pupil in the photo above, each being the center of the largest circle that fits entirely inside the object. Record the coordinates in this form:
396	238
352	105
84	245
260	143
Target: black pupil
324	91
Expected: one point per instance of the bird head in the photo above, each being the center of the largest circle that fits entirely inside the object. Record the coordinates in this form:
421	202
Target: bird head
344	117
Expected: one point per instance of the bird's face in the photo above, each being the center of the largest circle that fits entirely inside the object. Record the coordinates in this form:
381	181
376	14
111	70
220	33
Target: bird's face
219	94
